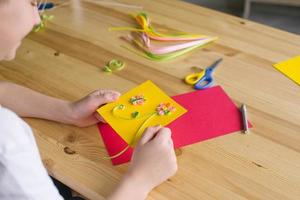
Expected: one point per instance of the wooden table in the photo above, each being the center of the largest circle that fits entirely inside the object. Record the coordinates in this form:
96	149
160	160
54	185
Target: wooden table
65	61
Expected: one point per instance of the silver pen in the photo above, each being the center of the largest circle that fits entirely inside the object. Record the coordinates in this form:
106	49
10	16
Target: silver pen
245	120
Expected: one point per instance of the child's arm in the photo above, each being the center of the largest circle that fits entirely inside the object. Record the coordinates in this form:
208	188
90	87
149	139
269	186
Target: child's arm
153	162
28	103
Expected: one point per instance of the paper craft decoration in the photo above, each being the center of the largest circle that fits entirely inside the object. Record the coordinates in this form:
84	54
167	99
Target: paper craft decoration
143	106
210	114
143	36
290	68
44	19
114	65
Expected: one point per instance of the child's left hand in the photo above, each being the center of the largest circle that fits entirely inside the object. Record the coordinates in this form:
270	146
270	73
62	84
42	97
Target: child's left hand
83	112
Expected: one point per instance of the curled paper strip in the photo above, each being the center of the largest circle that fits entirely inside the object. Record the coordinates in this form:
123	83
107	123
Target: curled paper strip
141	38
114	65
163	53
143	20
42	24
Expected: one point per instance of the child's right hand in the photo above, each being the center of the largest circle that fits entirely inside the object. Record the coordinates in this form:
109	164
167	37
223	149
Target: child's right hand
154	159
153	162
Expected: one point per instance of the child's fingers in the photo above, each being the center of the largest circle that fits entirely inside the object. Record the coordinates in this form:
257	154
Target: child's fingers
163	136
104	96
102	93
148	134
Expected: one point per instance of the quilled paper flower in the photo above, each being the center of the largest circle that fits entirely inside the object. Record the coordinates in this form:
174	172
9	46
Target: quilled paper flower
114	65
137	100
165	109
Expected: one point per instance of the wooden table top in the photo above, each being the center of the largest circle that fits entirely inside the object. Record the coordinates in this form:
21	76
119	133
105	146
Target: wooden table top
65	60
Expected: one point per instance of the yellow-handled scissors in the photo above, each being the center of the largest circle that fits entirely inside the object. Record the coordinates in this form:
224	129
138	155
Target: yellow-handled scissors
203	79
193	78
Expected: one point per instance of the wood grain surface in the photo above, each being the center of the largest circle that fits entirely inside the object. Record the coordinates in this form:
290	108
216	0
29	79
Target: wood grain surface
65	60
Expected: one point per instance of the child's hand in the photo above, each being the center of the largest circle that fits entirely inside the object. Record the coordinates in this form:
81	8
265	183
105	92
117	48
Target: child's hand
153	162
154	159
83	112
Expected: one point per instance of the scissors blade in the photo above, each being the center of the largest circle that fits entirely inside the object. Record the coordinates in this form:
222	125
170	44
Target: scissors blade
207	80
214	65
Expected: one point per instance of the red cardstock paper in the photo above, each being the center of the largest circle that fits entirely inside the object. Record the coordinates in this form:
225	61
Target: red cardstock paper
211	113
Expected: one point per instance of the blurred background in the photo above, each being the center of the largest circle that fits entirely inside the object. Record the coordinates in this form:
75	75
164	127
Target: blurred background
282	14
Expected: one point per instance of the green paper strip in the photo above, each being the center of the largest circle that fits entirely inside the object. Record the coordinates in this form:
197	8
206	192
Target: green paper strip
114	65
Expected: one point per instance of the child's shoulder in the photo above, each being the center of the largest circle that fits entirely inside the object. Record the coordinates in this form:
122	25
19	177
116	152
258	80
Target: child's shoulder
14	132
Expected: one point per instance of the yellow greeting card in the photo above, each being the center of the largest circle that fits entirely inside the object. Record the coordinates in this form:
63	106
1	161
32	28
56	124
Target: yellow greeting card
290	68
141	107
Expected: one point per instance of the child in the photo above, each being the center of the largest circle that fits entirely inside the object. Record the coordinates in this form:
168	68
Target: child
22	174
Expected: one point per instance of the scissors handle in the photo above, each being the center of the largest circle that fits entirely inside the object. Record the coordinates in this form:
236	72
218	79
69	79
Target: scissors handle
204	82
207	80
194	78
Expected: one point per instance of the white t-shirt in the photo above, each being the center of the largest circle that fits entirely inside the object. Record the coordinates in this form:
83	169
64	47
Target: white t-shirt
22	174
